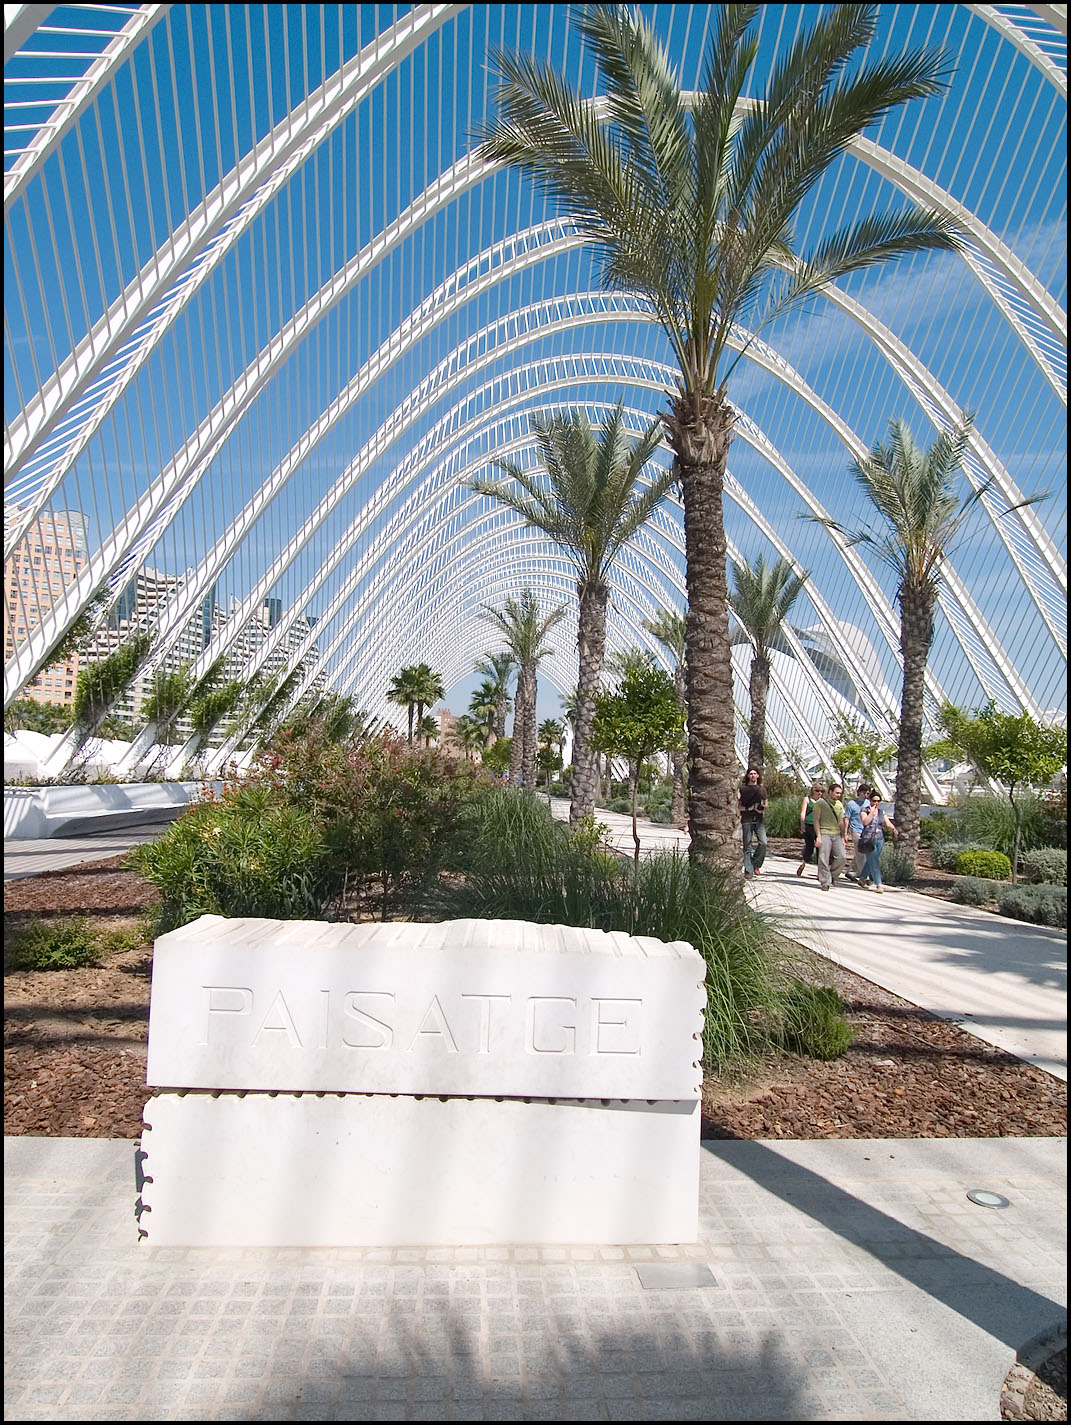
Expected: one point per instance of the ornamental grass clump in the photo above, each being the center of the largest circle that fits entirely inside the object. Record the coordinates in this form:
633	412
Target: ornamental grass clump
814	1021
523	865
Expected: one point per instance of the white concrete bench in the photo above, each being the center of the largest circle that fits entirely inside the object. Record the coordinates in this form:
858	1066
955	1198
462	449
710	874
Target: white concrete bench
470	1082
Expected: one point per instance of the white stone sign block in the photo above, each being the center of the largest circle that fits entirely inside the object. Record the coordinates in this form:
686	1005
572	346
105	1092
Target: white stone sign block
460	1007
375	1170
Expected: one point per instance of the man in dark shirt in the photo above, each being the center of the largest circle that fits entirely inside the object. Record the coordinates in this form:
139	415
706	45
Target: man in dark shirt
753	804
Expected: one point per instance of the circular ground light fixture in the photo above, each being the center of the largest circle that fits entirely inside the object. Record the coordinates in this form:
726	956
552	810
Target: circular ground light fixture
982	1197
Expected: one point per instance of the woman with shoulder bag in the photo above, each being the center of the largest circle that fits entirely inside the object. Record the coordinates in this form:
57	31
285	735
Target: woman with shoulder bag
872	839
807	825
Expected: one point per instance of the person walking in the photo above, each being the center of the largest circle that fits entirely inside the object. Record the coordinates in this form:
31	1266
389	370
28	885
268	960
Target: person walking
853	811
753	803
875	824
829	839
807	825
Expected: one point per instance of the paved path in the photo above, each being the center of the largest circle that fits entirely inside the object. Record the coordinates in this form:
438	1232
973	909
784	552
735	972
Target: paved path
832	1281
57	853
1002	979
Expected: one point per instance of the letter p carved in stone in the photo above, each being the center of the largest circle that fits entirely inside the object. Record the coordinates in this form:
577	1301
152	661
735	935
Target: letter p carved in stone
224	1000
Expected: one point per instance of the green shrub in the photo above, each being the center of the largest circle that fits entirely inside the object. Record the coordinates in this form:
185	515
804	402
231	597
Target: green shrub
244	853
660	815
815	1023
994	865
1041	905
68	944
783	816
1047	864
974	890
621	805
938	826
897	867
946	853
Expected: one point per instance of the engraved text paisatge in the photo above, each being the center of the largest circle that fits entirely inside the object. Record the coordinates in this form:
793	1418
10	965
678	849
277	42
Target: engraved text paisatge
366	1019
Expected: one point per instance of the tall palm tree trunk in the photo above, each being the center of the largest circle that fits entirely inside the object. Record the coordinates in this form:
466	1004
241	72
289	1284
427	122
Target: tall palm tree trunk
677	807
516	751
591	646
528	763
916	635
499	729
698	430
759	687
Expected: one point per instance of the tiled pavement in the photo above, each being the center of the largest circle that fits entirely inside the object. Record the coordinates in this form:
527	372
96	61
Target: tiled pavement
847	1280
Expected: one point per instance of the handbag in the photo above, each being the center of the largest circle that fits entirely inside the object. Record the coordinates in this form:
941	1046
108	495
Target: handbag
868	838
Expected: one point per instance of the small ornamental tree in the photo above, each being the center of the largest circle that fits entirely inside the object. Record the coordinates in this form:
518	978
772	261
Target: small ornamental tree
1006	747
859	750
642	718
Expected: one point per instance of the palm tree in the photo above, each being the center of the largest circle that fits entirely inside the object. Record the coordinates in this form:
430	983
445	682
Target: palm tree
427	689
525	627
761	597
923	516
402	692
590	500
669	628
498	668
415	688
427	728
694	212
483	705
467	732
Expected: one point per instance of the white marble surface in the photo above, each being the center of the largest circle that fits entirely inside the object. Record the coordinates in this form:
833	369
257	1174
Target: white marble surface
376	1170
461	1007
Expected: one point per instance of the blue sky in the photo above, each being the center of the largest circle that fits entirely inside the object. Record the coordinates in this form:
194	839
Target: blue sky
212	81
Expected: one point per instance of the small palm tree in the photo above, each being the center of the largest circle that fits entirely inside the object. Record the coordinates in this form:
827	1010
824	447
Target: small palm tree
761	597
498	669
694	211
427	728
402	692
483	705
415	688
922	517
669	628
525	627
467	733
588	498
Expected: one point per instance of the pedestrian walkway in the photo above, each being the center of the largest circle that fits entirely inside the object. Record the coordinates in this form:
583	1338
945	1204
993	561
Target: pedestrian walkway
59	853
831	1281
1002	979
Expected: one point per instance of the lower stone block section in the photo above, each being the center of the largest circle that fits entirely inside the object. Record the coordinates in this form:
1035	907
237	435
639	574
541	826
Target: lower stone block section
377	1170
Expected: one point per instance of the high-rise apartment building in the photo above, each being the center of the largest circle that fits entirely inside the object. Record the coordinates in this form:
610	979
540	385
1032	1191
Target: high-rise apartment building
50	554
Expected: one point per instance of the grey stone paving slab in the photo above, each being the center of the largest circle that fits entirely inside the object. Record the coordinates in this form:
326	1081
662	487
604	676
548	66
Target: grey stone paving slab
100	1327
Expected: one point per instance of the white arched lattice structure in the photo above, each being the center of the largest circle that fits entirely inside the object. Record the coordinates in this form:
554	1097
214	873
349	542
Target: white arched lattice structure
266	312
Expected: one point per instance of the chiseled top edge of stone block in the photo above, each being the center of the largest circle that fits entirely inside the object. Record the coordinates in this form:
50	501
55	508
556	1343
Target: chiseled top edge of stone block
498	935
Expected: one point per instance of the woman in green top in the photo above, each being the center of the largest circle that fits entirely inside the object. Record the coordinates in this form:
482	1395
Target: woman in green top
807	825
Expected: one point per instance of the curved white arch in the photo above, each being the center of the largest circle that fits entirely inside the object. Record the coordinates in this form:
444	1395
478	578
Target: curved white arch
1022	41
468	171
66	113
211	230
